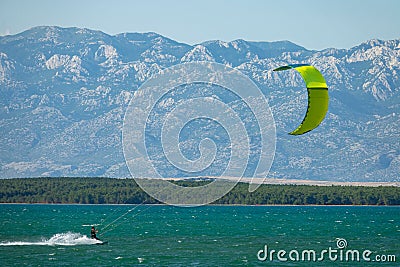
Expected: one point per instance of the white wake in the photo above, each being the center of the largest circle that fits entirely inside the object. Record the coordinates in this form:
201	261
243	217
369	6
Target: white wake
63	239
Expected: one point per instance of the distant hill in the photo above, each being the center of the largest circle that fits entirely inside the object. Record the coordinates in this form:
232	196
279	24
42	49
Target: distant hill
64	92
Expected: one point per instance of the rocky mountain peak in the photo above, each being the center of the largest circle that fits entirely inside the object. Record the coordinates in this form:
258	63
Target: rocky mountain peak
64	92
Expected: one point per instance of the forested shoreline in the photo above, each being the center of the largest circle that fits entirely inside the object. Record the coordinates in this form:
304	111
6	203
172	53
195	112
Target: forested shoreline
67	190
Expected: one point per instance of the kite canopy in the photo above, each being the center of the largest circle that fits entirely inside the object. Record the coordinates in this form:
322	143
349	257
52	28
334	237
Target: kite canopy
318	98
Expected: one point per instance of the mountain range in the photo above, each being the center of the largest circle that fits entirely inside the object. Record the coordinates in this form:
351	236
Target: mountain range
64	93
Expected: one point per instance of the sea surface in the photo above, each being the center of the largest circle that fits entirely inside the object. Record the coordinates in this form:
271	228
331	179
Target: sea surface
158	235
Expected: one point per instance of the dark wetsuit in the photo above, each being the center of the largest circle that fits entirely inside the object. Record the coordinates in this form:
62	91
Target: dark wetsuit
93	233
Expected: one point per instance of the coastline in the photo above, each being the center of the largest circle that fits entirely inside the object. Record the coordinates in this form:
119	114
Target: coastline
281	181
98	191
208	205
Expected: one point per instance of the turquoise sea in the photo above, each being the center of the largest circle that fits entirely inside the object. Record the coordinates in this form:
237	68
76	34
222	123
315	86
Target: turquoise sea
158	235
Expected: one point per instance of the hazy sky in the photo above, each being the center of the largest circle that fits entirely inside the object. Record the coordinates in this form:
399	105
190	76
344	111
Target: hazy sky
314	24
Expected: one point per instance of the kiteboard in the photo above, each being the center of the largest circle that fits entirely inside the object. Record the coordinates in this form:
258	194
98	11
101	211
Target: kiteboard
101	242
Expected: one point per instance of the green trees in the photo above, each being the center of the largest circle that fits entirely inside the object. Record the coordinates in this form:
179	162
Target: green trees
126	191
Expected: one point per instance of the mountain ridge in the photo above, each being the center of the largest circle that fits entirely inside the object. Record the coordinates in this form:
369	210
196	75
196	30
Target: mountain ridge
64	92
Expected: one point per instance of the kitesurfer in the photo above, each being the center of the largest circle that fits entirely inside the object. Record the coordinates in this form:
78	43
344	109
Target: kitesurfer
93	233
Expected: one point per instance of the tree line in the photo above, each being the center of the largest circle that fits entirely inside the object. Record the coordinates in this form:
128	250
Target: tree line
126	191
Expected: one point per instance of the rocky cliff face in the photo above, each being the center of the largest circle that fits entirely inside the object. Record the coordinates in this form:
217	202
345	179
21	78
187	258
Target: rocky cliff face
64	92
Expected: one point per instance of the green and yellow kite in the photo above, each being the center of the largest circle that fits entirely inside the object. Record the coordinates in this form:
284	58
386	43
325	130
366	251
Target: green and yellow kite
318	98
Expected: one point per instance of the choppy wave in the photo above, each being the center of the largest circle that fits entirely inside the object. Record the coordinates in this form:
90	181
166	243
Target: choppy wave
63	239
